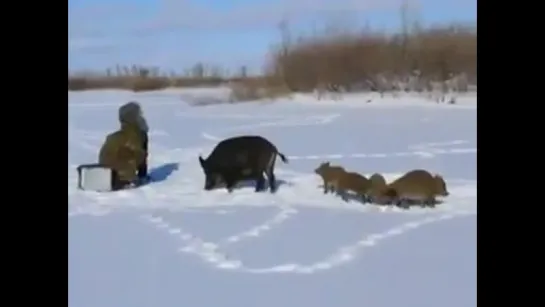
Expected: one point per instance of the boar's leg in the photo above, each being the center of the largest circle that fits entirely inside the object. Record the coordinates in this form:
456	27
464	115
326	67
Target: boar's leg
260	182
343	194
326	187
272	182
329	187
230	181
403	203
270	173
429	202
334	186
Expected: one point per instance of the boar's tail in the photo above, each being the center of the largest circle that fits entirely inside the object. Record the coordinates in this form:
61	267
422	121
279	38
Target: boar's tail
284	159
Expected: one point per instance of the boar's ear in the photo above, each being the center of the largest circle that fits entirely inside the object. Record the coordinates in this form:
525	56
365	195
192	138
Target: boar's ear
203	162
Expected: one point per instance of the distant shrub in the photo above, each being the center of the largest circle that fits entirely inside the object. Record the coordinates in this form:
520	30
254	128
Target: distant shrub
376	61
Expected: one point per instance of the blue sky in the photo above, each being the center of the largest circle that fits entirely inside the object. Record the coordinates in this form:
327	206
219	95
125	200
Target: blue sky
175	34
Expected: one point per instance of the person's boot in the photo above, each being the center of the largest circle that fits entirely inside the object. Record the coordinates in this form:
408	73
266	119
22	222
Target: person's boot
143	175
118	184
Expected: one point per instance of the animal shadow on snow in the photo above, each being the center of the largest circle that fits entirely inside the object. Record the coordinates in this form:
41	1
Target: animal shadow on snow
162	172
250	183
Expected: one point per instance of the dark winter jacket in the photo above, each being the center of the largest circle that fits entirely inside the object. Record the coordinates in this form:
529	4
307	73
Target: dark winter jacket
122	151
125	150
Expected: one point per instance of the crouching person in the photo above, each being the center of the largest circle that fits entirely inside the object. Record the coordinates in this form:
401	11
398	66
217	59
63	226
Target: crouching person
123	151
132	113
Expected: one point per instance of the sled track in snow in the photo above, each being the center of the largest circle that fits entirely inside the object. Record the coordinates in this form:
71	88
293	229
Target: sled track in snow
184	193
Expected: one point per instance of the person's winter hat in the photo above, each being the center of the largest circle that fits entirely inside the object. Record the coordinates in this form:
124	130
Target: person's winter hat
131	113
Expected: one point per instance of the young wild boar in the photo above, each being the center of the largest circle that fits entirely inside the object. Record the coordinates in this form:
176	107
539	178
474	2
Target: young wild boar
329	174
440	186
417	186
378	191
353	182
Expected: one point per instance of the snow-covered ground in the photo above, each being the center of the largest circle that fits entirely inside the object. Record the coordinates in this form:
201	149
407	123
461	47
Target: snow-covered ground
171	244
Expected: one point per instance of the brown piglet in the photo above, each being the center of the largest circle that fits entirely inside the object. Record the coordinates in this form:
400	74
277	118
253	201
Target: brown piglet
379	192
417	186
330	175
353	182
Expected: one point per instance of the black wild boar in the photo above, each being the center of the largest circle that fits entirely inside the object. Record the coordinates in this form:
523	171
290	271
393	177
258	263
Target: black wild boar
239	158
